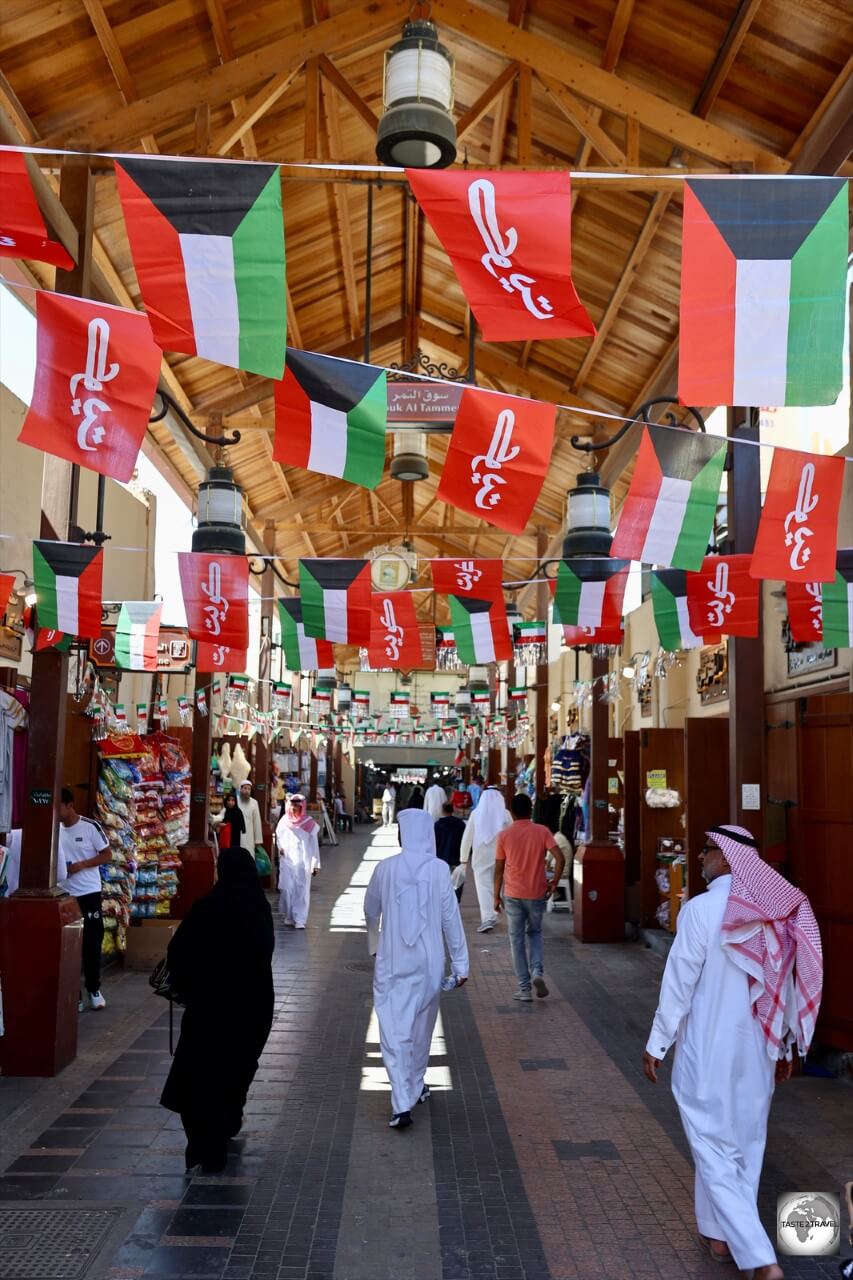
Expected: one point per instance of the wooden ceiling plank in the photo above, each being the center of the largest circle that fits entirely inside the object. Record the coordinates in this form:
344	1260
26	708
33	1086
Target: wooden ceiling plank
306	501
225	49
12	105
202	129
278	59
612	50
604	89
496	147
728	51
472	117
525	115
626	280
343	87
840	83
115	58
294	333
583	120
632	142
254	110
340	200
311	149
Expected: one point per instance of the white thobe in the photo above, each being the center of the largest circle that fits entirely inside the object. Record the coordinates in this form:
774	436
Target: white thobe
407	979
481	854
722	1078
254	833
299	857
388	799
434	801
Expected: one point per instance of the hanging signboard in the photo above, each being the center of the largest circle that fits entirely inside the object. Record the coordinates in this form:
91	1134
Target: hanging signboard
173	650
417	402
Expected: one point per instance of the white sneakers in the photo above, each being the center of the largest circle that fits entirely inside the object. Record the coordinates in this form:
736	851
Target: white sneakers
524	994
96	1000
487	926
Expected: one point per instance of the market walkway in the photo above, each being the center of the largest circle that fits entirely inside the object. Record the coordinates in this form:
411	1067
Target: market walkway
543	1154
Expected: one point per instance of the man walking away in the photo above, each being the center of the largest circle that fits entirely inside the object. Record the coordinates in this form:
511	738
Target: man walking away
520	875
740	989
478	845
82	849
389	797
412	895
434	801
448	839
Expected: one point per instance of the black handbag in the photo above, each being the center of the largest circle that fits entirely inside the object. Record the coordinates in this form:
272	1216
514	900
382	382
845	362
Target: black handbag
160	983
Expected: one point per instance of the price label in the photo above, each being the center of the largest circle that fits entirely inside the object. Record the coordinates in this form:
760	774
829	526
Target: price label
656	780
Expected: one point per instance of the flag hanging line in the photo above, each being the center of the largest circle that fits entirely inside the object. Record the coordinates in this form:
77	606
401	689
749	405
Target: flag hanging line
382	170
598	414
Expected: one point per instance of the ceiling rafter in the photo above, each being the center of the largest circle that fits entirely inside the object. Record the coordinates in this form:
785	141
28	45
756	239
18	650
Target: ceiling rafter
112	52
339	198
346	91
226	50
583	120
615	40
472	117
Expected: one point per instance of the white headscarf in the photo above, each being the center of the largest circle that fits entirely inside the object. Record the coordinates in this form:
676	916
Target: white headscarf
489	817
417	837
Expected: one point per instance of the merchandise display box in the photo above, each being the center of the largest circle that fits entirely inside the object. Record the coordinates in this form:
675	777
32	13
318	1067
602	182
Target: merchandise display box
147	941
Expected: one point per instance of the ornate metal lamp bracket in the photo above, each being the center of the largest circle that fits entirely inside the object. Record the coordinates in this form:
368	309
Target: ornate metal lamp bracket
642	415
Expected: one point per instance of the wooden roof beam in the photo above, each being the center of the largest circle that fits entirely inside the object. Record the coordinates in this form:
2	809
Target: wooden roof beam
603	88
615	40
583	120
472	117
254	109
345	90
172	105
114	56
225	49
339	198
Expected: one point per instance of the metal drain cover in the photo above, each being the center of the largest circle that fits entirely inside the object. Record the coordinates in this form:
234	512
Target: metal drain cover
46	1243
361	966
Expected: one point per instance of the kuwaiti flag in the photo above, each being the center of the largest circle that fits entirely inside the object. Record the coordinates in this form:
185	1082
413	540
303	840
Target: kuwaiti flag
137	633
805	611
480	630
668	514
590	591
336	599
330	417
208	246
669	601
68	579
301	652
838	604
763	272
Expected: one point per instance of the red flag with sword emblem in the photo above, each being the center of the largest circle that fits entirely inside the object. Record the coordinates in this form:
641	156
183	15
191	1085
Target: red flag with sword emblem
395	637
219	657
481	578
498	457
723	597
798	533
509	237
216	597
805	611
96	374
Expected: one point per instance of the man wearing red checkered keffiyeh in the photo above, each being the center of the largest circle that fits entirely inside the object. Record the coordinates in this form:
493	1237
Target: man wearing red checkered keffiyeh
741	986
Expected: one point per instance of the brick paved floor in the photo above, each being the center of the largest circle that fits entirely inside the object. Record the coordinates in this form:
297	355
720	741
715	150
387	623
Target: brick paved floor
543	1153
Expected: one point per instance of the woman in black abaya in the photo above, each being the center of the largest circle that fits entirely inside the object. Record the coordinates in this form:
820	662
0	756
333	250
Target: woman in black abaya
220	964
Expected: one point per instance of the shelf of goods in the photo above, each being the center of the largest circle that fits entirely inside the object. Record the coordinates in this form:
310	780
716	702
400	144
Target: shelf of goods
670	878
143	806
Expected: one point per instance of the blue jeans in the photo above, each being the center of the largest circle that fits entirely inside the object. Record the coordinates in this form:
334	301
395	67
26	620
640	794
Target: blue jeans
524	917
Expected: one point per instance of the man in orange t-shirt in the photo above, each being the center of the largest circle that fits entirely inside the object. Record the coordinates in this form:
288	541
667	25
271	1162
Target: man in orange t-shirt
520	877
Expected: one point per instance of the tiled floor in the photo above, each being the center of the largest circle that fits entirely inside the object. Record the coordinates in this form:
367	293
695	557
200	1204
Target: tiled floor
543	1153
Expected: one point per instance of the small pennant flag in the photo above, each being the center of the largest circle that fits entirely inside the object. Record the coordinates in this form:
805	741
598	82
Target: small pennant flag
440	704
580	637
360	703
219	657
96	376
336	599
68	580
45	638
669	601
22	230
398	706
518	697
481	578
301	652
481	702
668	513
797	533
763	272
838	605
395	637
590	591
805	611
480	630
509	237
498	457
535	632
723	597
137	633
208	246
330	417
216	597
7	582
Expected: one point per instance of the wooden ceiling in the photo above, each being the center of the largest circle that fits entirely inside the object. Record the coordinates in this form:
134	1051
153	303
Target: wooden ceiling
622	86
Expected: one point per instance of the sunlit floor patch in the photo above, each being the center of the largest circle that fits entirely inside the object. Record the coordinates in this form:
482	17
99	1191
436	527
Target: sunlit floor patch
348	912
374	1078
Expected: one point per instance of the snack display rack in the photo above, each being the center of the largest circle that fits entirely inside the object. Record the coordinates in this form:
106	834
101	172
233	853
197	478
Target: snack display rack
670	877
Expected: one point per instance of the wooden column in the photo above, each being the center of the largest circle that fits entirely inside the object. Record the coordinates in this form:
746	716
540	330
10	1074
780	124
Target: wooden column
40	922
541	723
263	754
509	788
599	822
746	656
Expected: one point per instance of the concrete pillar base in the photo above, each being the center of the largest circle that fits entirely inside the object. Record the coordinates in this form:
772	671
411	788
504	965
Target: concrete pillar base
599	876
41	943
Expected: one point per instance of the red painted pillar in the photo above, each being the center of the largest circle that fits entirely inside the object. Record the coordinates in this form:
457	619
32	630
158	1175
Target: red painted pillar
599	871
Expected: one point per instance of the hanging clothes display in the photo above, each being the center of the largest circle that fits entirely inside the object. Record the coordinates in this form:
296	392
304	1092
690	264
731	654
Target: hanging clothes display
14	720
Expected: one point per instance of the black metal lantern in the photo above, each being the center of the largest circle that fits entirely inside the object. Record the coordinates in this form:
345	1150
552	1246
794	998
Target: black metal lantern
220	515
588	518
417	130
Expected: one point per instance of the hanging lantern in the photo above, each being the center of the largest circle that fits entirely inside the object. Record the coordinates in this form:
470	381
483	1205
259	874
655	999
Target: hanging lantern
220	515
417	130
587	518
344	699
530	643
409	459
462	701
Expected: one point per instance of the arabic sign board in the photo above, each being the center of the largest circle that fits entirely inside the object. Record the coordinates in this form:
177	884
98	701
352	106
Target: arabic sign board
173	650
415	402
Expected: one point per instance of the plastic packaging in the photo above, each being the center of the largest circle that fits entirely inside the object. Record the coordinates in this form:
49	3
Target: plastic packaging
450	983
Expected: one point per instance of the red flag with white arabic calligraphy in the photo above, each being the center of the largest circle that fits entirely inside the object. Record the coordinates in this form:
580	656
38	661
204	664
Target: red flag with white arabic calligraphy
580	636
96	375
498	457
805	611
7	582
22	230
395	636
723	596
481	578
798	533
509	237
219	657
216	597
